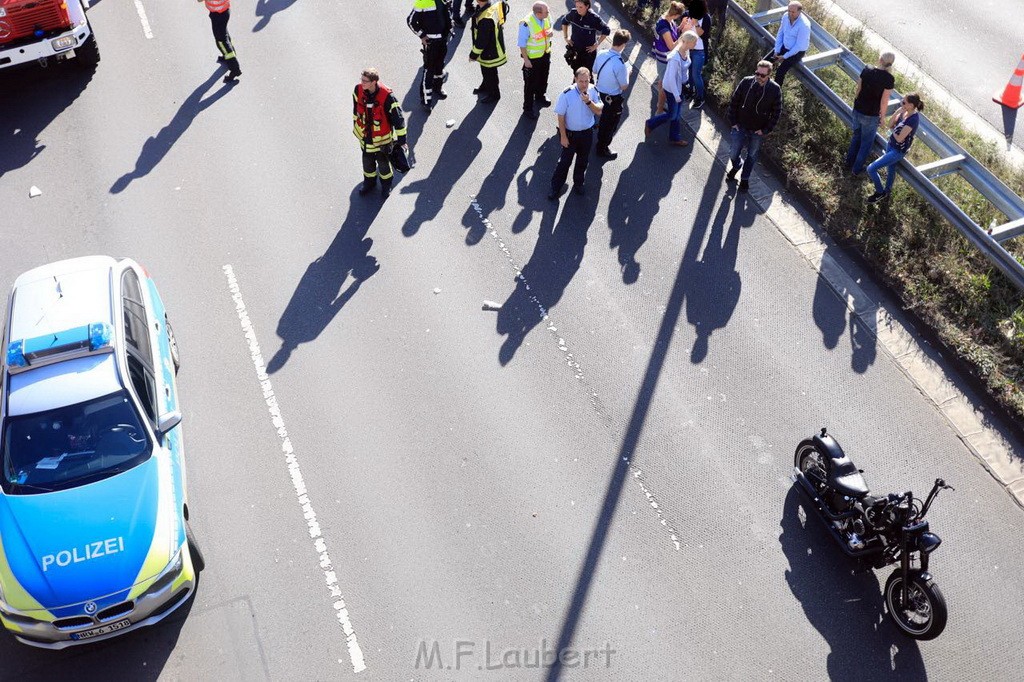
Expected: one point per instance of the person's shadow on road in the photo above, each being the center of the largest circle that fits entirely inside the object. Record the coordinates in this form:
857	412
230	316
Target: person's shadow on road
830	313
712	282
156	148
266	9
846	608
637	200
330	281
556	258
494	190
461	147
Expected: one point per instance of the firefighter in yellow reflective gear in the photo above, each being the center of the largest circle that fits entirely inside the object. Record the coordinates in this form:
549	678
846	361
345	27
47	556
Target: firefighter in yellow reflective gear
489	45
379	124
220	12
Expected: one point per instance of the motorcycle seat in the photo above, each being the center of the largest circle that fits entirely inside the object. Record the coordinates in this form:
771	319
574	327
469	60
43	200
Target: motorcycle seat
851	484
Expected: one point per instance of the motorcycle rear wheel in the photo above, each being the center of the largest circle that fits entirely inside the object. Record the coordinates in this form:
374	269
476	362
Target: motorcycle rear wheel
924	617
813	465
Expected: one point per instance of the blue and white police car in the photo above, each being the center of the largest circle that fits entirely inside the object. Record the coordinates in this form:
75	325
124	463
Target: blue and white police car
94	535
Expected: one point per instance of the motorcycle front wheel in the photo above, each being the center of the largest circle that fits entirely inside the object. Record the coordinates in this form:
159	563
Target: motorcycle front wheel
813	465
924	615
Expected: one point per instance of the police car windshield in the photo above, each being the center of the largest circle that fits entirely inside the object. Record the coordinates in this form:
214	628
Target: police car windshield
72	446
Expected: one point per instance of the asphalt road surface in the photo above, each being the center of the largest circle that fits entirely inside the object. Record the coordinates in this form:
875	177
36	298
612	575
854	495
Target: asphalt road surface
970	48
415	470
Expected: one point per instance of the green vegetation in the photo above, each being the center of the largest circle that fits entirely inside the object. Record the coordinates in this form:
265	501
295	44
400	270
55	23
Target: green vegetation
933	270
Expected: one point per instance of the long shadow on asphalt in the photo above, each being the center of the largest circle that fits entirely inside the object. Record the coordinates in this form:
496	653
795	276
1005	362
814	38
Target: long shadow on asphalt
331	281
713	285
156	148
461	147
534	183
266	9
719	312
139	655
637	200
556	258
846	608
32	99
830	313
494	190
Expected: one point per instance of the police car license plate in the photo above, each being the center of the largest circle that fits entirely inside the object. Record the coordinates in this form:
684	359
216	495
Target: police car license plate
106	629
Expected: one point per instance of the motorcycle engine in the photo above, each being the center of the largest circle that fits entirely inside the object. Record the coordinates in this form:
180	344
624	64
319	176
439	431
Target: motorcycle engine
841	503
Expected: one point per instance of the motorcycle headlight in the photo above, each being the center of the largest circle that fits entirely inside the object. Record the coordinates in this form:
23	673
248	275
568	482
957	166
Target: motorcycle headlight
929	542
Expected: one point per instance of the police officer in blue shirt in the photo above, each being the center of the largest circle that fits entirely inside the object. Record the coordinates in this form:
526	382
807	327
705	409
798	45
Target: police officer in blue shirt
578	108
611	82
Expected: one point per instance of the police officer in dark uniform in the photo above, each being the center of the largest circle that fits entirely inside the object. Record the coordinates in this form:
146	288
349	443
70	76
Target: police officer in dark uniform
431	21
588	32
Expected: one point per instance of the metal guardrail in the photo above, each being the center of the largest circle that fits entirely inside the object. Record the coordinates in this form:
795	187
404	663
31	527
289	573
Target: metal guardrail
952	157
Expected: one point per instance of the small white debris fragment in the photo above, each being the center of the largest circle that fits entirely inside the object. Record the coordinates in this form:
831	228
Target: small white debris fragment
437	290
491	305
450	123
34	192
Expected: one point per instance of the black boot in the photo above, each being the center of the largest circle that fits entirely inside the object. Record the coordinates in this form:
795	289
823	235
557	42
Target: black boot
367	186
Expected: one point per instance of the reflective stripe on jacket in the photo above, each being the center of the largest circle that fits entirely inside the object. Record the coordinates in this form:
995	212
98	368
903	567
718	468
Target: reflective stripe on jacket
372	125
539	43
489	41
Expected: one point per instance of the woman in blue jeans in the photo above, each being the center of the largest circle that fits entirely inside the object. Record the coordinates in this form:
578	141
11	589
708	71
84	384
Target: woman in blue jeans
676	74
903	122
697	15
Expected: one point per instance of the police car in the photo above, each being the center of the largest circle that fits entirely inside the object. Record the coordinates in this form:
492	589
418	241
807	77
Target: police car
94	535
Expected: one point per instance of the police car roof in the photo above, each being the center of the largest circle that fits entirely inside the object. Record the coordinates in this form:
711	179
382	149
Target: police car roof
62	383
62	295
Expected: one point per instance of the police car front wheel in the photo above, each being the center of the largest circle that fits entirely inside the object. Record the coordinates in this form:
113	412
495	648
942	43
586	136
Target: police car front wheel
198	563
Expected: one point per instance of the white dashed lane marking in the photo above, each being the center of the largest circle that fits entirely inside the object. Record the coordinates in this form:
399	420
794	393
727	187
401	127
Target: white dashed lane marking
146	30
290	458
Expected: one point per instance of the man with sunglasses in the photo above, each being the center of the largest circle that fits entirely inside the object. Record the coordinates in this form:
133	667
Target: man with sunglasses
754	111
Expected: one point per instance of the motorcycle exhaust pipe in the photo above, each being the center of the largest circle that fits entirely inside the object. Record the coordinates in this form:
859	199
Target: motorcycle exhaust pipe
808	490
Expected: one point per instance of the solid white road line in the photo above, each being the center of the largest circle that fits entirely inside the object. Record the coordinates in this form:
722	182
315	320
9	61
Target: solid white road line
319	543
146	30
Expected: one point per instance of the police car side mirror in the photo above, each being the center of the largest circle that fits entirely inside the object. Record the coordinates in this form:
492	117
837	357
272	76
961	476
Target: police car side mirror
167	422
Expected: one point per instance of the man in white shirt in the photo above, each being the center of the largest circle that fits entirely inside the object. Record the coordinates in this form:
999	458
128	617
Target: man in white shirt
792	42
611	81
577	108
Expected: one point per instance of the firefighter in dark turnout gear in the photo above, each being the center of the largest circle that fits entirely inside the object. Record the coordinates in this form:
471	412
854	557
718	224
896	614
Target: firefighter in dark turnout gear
489	45
378	124
431	21
220	13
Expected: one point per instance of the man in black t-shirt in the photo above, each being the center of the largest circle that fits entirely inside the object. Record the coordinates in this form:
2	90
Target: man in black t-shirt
588	32
870	106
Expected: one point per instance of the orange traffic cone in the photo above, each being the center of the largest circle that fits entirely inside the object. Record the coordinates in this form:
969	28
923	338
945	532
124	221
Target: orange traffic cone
1011	96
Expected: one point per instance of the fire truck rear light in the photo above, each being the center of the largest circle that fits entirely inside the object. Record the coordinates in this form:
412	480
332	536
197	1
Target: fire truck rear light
63	43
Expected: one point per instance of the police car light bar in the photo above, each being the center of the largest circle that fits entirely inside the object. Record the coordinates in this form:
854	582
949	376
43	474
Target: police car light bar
24	353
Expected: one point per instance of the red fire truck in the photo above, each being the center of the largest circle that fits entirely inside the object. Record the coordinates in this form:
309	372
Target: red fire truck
46	30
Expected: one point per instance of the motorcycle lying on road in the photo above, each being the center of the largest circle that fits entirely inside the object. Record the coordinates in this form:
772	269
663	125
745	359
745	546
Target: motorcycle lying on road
877	531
